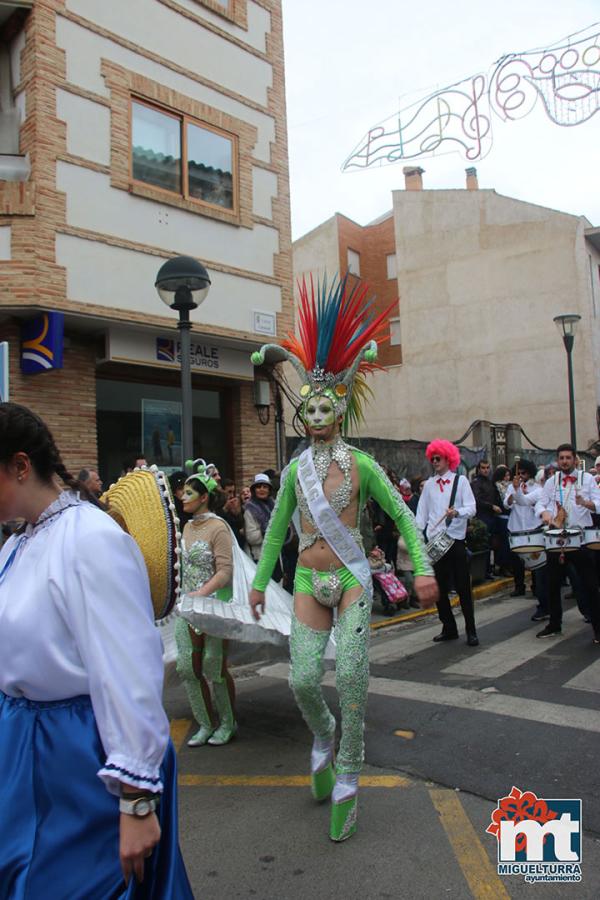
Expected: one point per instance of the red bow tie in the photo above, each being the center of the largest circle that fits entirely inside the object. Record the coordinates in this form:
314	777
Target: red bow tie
442	482
569	478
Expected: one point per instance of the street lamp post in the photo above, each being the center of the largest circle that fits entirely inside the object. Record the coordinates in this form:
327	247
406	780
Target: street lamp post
567	325
183	283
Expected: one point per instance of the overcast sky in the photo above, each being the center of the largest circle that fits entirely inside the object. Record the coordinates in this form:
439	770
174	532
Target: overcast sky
350	64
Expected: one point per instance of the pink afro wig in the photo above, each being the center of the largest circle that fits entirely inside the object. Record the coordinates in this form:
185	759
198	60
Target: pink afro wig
446	449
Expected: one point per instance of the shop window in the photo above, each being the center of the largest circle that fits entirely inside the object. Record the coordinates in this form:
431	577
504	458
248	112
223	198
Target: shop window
177	154
137	419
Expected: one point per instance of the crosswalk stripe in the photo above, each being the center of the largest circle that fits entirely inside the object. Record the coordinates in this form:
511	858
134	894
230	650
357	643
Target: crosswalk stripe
587	680
507	655
411	641
462	698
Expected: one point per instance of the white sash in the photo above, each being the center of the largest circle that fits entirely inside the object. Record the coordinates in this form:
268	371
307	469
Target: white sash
333	530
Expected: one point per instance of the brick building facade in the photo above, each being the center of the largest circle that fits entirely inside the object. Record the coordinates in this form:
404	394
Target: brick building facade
91	207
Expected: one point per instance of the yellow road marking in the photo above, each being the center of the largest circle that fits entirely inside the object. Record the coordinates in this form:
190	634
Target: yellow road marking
375	781
470	854
407	734
179	729
479	593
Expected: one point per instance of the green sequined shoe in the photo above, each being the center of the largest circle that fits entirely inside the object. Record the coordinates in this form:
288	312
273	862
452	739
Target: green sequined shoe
322	783
343	807
200	737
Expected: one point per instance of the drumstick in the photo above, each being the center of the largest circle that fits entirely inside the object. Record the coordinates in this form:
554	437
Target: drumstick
441	520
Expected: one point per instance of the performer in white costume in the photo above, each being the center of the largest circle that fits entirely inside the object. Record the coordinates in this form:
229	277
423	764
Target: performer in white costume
84	739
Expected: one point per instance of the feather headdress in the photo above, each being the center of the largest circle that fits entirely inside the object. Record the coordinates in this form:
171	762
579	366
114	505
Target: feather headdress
339	331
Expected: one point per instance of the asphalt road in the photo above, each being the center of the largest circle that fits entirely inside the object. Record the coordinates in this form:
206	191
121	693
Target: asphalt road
450	730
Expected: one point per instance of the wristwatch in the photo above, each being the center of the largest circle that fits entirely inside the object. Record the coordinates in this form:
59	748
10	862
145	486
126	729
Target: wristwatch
140	807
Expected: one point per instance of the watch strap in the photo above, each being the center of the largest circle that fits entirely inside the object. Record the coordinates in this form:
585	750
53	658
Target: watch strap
141	806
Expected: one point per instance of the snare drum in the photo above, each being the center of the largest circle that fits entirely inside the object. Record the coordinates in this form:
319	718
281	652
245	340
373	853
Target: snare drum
533	561
563	540
527	541
591	538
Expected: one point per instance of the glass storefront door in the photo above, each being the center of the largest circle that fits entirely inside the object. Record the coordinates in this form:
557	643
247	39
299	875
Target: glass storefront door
136	419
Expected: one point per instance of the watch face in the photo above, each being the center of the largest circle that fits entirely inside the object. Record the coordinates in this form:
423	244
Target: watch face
142	807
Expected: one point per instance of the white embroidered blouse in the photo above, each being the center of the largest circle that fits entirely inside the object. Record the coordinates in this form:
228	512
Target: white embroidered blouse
76	618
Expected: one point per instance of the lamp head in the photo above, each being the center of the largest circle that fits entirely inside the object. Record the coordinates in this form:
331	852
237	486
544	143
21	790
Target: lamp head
567	324
182	283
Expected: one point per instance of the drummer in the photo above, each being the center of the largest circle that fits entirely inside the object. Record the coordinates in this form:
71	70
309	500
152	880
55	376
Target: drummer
520	498
568	500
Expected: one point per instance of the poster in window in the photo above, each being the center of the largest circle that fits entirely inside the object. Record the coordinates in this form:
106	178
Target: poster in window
161	433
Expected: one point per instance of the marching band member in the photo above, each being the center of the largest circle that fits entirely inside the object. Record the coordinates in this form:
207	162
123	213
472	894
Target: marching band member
521	497
568	500
436	513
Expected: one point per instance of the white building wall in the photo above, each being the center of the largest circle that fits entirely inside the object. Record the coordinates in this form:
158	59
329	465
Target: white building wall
84	51
88	126
125	279
188	45
259	23
480	279
317	252
128	217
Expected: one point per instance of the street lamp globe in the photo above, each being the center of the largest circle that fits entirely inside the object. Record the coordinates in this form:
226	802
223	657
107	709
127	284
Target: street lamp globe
567	324
182	283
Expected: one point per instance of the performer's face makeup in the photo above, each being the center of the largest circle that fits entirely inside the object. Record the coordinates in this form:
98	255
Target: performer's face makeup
192	500
319	416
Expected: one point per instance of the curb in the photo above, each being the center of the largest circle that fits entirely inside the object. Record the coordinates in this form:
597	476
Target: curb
479	593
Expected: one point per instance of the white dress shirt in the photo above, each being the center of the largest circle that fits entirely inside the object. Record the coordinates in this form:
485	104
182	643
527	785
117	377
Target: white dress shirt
556	491
522	510
435	500
76	618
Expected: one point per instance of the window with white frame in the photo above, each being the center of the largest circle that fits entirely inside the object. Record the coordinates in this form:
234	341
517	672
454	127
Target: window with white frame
395	333
353	259
391	266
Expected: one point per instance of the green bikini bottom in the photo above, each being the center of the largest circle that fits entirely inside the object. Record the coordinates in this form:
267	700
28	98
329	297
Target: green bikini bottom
303	583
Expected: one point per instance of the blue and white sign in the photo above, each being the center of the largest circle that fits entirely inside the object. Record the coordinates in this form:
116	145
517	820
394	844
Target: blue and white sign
4	392
42	343
147	348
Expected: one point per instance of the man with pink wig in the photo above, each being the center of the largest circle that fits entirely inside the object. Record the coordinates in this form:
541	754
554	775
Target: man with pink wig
442	507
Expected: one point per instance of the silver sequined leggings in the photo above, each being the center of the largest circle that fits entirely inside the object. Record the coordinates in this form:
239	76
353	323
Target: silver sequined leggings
307	648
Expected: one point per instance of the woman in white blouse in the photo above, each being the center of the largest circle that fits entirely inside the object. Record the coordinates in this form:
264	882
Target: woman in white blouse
84	749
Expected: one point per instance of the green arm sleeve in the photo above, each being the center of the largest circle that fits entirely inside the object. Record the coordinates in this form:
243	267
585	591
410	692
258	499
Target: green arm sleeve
285	505
379	487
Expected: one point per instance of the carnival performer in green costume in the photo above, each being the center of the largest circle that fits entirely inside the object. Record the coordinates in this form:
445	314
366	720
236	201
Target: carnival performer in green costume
207	571
329	485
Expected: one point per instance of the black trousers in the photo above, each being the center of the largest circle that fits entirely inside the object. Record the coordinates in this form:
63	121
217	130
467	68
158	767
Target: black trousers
518	570
454	566
585	565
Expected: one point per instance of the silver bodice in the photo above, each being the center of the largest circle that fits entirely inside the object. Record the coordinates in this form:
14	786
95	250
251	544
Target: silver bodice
198	565
323	456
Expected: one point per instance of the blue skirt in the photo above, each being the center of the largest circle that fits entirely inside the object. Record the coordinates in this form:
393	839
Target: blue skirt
59	826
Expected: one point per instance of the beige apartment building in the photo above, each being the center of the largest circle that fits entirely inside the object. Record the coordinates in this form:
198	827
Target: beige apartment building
131	133
479	278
